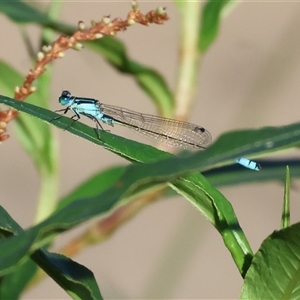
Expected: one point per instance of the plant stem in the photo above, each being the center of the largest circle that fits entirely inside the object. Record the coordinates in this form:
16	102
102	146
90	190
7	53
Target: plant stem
48	195
188	59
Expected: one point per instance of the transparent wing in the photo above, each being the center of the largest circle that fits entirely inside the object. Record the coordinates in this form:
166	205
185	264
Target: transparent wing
168	131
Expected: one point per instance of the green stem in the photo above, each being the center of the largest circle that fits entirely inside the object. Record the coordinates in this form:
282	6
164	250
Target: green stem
48	169
189	57
48	195
285	218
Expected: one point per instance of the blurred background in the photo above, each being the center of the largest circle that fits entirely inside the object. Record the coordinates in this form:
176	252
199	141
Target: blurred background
249	78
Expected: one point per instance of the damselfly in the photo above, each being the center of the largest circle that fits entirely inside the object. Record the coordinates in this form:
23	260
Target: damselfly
168	131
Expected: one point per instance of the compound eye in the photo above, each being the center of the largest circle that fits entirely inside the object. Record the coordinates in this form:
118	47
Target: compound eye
66	94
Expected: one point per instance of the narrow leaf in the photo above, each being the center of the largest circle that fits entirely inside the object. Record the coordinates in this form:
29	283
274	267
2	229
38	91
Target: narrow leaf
273	170
210	25
228	147
78	281
214	206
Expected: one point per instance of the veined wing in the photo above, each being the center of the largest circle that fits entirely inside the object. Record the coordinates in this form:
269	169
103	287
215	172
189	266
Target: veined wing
168	131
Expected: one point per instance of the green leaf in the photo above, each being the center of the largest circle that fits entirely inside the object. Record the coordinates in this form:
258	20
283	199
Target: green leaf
74	278
210	22
9	257
22	272
18	279
21	12
214	206
273	170
78	281
227	148
274	273
8	226
93	185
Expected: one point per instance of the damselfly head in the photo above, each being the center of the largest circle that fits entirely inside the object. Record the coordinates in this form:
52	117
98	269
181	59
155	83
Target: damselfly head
65	98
